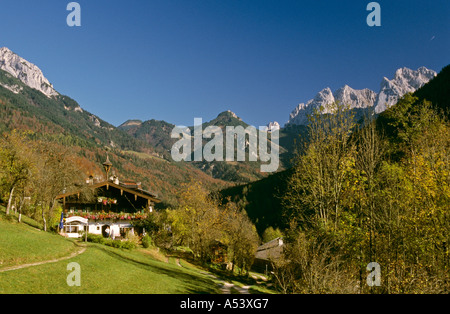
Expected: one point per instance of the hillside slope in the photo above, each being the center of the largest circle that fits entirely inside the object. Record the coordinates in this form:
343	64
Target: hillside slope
261	200
127	271
158	135
60	119
438	91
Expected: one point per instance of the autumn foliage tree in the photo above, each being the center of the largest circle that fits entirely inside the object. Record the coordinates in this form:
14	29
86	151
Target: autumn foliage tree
197	221
316	189
38	171
200	222
379	193
240	236
414	200
57	173
16	165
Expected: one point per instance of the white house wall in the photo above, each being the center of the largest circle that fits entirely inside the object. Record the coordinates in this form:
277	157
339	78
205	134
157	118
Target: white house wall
96	228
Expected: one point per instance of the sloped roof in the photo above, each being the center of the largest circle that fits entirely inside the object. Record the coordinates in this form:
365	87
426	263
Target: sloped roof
125	187
270	250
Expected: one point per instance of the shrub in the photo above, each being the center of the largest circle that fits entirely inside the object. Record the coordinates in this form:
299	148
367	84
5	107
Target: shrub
94	238
132	237
128	245
116	244
147	241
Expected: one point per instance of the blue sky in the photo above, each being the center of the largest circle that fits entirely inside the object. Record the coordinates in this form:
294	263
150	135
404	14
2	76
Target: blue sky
176	60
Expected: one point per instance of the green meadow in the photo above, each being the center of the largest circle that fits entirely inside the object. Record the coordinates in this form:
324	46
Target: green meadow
108	271
103	269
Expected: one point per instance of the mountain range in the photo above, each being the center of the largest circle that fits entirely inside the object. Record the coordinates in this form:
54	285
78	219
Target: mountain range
405	81
49	116
158	135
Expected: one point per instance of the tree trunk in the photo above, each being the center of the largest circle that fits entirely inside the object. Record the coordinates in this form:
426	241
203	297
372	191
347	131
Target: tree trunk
43	218
8	207
22	201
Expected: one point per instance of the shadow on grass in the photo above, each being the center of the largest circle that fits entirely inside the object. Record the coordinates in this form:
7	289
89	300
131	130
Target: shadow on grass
194	283
14	218
223	274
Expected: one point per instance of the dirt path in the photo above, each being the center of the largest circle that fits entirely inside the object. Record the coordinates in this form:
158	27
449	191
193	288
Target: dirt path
44	262
225	287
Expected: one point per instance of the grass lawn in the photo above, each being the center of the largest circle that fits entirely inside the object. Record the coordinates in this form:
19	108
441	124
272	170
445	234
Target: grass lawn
22	244
110	271
103	269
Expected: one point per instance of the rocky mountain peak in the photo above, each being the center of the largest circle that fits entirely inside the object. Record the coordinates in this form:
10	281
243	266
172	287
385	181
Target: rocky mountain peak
135	122
26	72
405	81
228	115
271	126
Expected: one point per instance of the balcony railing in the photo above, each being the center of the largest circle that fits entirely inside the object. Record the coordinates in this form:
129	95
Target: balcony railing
107	215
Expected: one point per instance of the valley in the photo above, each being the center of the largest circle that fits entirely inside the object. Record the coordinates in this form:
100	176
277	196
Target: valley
360	176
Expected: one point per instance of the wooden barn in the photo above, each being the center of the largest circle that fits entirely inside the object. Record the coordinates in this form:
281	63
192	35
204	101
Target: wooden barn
266	254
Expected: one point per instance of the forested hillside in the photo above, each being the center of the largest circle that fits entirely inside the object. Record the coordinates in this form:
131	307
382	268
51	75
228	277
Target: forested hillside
61	121
158	135
437	91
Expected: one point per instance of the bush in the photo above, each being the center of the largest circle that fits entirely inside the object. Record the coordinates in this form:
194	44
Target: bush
114	243
128	245
132	238
147	241
94	238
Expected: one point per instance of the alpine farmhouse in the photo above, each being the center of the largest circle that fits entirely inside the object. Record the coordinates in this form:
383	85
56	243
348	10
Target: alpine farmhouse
110	210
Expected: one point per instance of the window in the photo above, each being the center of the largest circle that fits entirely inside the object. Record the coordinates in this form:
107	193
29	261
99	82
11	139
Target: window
71	227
